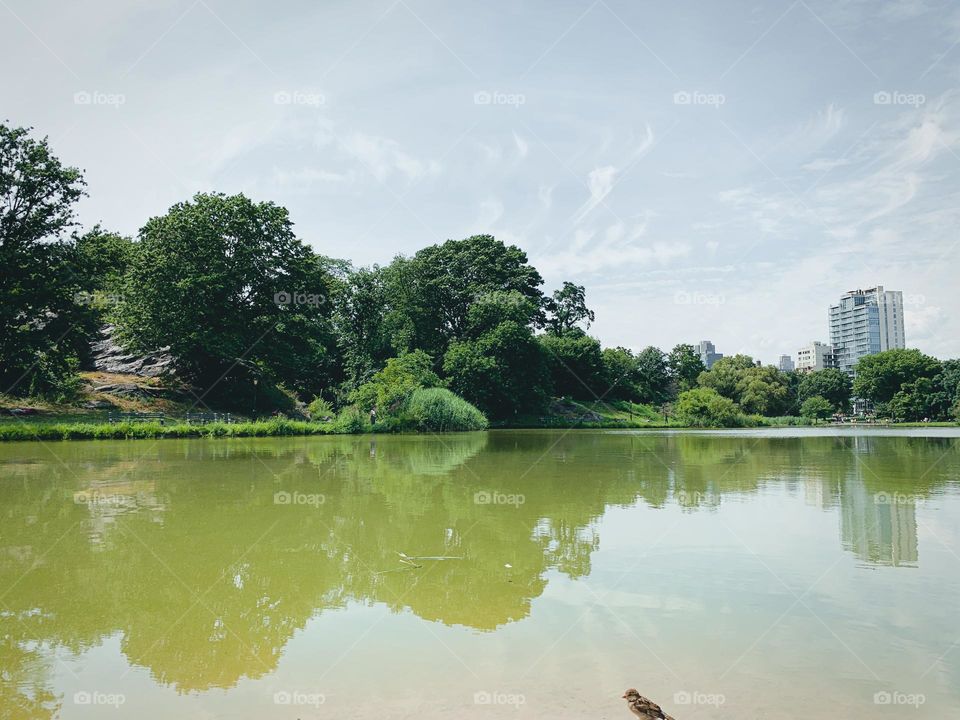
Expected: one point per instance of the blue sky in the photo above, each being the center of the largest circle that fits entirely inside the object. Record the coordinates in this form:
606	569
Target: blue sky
718	170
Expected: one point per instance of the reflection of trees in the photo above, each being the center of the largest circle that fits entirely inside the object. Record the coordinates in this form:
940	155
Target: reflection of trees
248	573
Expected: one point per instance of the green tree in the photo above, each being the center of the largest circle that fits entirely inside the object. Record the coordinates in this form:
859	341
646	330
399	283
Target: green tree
391	387
817	407
685	366
224	282
41	324
576	364
878	377
705	407
431	293
500	365
830	383
620	368
360	317
653	376
567	308
762	390
921	399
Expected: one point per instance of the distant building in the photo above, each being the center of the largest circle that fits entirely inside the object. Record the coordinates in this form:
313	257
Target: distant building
786	363
815	356
708	353
865	322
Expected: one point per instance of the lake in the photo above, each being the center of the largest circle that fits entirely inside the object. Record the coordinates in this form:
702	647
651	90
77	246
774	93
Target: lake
768	574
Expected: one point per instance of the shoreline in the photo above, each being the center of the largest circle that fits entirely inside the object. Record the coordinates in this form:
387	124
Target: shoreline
54	430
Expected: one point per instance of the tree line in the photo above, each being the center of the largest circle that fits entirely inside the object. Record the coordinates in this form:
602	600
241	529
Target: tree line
256	319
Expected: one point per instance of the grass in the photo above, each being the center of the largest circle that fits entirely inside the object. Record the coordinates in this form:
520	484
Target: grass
12	431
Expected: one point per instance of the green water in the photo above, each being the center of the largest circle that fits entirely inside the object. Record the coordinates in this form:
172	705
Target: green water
767	574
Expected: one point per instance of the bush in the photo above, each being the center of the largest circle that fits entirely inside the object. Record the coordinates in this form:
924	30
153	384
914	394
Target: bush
351	420
320	409
439	410
705	407
816	407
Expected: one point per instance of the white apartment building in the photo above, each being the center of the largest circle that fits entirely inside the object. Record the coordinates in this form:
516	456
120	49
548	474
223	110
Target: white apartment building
866	322
815	356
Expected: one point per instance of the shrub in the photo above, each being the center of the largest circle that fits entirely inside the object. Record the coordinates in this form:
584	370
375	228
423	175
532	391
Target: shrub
439	410
705	407
320	409
351	420
816	407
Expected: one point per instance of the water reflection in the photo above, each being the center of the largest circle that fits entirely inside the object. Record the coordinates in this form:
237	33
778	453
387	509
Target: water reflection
183	550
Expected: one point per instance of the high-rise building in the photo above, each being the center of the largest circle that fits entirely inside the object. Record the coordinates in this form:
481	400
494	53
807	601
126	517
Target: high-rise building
815	356
786	363
708	353
866	322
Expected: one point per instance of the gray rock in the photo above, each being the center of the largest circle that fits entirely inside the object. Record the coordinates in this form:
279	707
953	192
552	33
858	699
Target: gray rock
108	356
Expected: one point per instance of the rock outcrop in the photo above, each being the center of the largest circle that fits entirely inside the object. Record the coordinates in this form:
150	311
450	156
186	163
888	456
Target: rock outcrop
109	357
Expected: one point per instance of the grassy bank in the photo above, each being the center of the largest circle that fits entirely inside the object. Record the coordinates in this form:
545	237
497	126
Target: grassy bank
12	431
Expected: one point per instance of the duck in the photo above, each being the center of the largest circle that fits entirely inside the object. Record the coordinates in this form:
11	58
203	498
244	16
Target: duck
644	708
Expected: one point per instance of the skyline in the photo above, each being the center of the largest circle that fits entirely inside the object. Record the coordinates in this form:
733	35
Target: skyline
728	171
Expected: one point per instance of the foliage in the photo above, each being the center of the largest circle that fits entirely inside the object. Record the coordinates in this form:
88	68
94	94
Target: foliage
567	308
653	376
880	376
41	328
360	317
389	388
576	364
685	366
621	374
227	286
817	407
439	410
762	390
705	407
320	409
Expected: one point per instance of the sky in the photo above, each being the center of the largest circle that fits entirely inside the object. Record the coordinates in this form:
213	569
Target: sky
707	170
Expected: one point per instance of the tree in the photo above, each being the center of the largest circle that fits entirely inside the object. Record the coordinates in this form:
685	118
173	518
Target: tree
40	322
922	399
103	258
685	366
576	364
360	319
620	368
762	390
567	308
878	377
725	374
431	293
225	283
705	407
830	383
653	376
391	386
499	365
817	407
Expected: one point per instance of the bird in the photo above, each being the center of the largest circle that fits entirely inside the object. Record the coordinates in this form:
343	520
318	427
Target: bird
642	707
